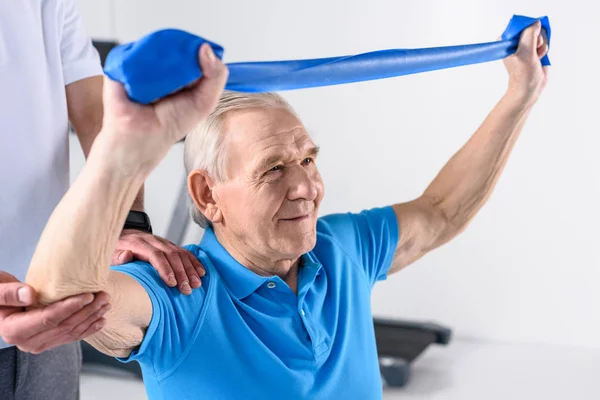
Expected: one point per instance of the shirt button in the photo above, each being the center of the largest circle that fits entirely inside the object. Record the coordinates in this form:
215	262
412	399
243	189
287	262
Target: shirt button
271	285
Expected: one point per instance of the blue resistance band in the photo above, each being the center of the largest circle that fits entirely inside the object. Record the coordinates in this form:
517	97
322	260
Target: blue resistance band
165	61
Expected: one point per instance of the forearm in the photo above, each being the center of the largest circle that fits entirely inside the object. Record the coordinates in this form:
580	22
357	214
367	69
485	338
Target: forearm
87	133
73	254
86	139
86	112
465	183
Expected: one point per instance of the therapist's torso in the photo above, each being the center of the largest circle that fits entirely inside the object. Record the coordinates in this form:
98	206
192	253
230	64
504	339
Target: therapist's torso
43	48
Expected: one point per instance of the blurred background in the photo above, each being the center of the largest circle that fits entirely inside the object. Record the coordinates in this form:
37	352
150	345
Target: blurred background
519	288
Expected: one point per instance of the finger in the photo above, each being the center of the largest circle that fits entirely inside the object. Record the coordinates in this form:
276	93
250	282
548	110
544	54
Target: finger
95	328
69	331
161	244
198	102
5	277
190	273
176	264
190	270
19	327
95	310
544	38
542	51
197	265
79	331
536	29
121	257
36	348
161	263
6	312
16	294
179	263
207	93
144	251
113	91
528	39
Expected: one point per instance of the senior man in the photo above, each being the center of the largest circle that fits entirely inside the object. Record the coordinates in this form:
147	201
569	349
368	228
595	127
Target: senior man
284	308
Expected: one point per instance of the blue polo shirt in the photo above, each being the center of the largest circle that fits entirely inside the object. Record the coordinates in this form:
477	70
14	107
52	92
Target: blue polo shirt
245	336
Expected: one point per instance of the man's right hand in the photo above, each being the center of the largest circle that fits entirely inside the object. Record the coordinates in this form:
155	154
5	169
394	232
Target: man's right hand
40	329
141	135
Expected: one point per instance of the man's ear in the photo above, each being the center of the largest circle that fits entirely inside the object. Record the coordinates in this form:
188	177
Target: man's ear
200	187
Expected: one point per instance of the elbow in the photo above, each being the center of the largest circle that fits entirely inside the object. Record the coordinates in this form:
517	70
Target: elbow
445	224
454	217
56	275
54	286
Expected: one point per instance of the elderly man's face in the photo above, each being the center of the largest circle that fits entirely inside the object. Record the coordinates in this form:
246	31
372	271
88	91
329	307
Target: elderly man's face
271	198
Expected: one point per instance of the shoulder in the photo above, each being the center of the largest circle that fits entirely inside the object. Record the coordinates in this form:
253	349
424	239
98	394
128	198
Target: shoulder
347	228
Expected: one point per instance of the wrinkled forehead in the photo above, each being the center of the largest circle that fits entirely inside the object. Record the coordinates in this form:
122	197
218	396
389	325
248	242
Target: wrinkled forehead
264	131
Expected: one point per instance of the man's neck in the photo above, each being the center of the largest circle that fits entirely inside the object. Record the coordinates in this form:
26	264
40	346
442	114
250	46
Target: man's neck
286	269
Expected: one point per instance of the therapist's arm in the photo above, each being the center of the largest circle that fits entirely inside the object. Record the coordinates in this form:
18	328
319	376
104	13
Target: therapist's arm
74	251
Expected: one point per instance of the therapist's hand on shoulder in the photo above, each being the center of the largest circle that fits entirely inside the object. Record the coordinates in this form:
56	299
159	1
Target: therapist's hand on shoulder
43	328
175	265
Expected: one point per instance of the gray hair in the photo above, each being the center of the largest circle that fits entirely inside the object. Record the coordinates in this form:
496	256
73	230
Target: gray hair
204	146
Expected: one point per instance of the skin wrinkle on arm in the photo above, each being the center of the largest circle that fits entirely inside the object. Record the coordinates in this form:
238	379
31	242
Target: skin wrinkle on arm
114	340
98	192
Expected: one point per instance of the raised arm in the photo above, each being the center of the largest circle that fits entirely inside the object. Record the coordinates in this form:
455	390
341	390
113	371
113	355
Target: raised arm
84	102
74	251
466	182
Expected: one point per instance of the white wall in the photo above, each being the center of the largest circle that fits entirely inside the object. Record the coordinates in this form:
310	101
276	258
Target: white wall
528	268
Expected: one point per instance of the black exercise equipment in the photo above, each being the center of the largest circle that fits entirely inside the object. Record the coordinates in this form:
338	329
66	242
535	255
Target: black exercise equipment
399	343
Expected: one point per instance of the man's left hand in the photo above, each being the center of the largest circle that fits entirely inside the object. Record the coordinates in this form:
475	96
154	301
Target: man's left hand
527	76
176	266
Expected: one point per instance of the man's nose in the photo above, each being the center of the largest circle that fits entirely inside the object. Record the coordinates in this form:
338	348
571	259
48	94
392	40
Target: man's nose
302	184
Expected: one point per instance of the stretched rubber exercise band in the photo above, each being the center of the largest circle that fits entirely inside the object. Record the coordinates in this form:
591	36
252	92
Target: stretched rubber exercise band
167	60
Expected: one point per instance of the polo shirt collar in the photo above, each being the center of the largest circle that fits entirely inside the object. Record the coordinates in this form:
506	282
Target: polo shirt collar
240	280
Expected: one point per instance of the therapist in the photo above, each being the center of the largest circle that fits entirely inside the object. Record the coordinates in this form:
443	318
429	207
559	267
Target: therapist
50	74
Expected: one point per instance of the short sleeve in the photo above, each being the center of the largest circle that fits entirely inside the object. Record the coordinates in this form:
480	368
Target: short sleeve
369	238
79	57
175	318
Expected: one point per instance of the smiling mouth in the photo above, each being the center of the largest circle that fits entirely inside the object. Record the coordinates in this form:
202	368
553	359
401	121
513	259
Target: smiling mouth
296	219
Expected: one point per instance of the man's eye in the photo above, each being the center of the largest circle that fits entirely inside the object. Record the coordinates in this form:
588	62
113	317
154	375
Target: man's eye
276	168
307	161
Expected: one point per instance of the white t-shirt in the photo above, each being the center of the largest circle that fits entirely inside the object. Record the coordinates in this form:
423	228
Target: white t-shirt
43	48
